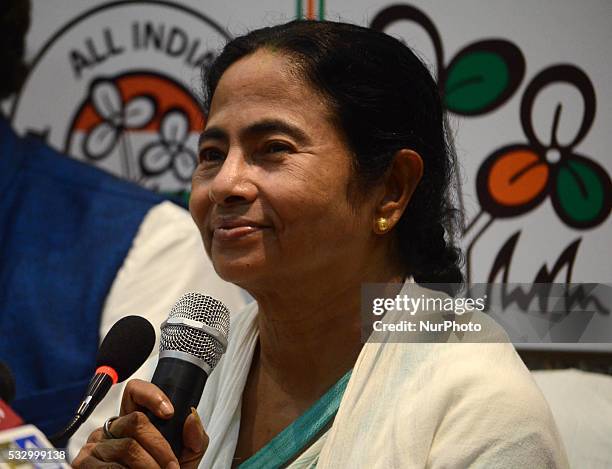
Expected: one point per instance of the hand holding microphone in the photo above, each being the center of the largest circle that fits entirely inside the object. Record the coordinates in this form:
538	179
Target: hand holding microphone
135	442
158	425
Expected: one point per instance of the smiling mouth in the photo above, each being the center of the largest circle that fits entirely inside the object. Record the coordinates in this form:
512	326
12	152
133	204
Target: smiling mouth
235	232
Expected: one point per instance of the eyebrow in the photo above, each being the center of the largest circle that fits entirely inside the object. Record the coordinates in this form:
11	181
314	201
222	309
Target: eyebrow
262	127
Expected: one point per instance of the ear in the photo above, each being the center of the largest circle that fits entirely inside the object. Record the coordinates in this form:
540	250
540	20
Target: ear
401	182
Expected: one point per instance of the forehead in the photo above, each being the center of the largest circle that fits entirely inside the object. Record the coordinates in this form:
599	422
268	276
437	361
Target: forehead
266	82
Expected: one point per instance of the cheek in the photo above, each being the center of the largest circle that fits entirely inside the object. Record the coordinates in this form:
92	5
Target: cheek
199	206
314	213
317	196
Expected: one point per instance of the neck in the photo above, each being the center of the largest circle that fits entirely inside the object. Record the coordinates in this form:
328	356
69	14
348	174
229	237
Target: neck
311	337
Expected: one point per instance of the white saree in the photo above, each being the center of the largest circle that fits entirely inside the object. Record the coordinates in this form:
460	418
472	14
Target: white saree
407	405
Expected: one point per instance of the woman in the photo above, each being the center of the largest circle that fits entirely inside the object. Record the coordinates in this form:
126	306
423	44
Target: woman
323	166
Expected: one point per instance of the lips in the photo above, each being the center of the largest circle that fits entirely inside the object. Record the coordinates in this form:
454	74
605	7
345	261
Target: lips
235	228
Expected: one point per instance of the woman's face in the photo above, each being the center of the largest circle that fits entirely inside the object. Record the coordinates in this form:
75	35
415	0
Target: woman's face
270	192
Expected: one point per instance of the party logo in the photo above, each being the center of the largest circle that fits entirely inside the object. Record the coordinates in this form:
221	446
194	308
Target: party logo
535	202
117	87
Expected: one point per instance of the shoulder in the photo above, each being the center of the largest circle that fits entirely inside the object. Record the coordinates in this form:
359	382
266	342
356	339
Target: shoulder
43	161
489	412
168	224
445	405
488	378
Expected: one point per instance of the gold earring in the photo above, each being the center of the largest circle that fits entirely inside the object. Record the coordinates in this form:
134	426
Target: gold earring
382	224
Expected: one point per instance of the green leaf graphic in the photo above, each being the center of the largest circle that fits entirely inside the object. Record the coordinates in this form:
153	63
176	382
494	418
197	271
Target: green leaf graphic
580	192
475	80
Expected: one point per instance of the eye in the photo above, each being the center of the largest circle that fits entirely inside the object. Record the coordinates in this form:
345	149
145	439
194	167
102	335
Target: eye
210	154
278	147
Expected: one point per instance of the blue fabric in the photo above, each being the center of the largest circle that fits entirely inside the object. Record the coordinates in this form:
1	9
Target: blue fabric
289	443
65	229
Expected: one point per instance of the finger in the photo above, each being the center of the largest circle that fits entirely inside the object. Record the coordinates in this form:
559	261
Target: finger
195	441
125	451
138	427
140	394
93	463
86	460
96	435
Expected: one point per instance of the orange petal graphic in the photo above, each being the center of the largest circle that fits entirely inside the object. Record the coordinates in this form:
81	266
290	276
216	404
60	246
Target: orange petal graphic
517	177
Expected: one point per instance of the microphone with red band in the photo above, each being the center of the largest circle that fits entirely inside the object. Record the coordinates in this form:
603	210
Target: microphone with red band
107	370
124	349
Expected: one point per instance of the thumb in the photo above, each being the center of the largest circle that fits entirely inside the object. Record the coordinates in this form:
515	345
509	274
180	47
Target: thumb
195	441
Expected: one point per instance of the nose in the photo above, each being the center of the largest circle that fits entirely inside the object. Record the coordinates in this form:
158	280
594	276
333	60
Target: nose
232	184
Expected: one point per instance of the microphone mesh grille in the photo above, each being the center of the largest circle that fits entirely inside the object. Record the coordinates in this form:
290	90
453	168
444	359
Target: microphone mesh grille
195	342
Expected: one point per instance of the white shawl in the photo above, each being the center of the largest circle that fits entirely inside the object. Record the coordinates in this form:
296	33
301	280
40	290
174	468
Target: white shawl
452	405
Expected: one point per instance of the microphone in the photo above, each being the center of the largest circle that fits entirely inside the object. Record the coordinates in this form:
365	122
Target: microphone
124	349
193	339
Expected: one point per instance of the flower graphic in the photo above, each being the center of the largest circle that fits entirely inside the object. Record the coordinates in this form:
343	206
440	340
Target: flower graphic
170	151
117	117
479	78
517	178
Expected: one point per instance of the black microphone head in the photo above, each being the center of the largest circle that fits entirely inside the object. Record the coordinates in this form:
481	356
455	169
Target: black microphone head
126	346
7	383
198	325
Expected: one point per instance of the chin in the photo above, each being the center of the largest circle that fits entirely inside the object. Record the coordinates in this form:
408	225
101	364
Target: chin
237	271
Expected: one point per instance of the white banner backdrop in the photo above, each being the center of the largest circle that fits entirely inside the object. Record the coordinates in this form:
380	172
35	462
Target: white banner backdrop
526	85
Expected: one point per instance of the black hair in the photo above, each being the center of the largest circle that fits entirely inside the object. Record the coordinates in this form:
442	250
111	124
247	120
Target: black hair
384	99
14	24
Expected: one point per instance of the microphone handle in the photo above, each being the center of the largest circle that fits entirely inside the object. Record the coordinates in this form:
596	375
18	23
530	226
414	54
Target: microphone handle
183	383
97	389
